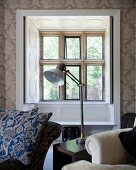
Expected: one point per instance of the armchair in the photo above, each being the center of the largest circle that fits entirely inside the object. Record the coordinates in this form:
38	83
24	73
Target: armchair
107	153
106	150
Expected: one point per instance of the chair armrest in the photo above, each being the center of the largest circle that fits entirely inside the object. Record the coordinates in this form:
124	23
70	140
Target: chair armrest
106	148
50	132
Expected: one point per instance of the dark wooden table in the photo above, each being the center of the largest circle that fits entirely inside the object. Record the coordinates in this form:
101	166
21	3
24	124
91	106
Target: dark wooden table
68	152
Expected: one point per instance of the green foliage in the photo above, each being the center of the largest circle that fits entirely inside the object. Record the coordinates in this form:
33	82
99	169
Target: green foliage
72	48
72	90
94	47
51	92
51	47
94	82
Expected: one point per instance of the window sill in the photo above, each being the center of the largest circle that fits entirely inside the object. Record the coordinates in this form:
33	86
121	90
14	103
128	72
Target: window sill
87	123
69	102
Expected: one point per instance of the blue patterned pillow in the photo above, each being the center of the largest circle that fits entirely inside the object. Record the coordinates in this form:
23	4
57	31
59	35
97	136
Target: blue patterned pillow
3	155
20	134
3	114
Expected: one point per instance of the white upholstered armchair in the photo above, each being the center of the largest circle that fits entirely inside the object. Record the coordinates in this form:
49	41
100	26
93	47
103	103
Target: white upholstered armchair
107	153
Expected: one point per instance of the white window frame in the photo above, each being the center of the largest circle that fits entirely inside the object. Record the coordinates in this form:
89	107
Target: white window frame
112	116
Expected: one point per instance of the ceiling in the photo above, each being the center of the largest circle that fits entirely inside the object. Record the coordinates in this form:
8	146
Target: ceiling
71	22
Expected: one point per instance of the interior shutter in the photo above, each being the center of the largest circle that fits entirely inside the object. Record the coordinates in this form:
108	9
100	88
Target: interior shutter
31	62
109	62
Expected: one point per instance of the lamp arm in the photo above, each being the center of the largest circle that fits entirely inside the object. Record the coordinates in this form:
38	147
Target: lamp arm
70	75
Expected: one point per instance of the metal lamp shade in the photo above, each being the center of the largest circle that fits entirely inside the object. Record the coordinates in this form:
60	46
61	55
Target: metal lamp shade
54	76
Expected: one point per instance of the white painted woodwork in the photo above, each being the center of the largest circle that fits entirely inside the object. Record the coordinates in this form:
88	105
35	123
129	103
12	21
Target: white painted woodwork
31	62
69	112
70	22
107	54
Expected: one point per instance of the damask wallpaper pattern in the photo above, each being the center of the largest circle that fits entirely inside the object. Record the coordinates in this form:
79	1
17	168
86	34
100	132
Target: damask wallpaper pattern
128	42
2	56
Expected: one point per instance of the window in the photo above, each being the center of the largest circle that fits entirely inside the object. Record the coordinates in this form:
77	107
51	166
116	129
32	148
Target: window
83	55
28	90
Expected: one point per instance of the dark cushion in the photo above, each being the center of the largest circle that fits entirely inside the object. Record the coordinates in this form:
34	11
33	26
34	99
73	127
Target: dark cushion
128	139
20	134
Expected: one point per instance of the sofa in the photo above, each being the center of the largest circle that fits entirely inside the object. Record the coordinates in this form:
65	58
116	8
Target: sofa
25	139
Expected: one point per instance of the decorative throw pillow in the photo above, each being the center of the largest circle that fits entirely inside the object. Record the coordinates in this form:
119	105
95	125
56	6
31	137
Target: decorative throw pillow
30	112
3	155
3	114
20	134
128	139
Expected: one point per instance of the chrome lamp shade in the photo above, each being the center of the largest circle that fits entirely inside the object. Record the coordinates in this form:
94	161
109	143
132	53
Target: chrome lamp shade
56	76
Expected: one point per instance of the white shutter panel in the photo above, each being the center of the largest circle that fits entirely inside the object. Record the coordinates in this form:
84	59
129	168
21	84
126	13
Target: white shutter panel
31	62
109	62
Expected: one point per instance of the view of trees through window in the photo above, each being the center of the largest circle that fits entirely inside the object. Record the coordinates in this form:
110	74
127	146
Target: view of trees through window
51	47
94	47
50	91
72	90
72	48
94	82
83	57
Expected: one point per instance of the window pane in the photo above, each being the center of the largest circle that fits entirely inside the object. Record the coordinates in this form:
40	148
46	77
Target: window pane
72	48
94	47
50	91
94	82
72	89
50	47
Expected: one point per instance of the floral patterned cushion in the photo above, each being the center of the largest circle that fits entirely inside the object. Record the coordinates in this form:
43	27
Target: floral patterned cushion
20	133
3	114
3	155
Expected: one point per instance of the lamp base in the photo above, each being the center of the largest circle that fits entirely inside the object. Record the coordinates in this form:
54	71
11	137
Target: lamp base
80	141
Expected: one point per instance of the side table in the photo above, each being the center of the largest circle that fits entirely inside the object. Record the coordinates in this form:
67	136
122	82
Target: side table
68	152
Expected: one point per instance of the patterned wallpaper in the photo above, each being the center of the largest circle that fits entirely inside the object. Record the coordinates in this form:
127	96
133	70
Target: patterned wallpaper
135	57
2	56
128	41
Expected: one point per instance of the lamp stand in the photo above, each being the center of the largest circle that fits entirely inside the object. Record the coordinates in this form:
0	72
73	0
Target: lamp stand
55	76
81	139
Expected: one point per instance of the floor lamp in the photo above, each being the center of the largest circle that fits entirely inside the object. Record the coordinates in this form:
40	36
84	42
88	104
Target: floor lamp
56	76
